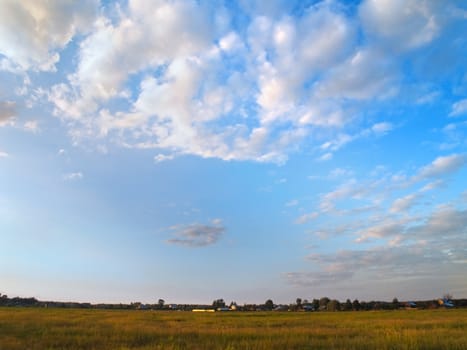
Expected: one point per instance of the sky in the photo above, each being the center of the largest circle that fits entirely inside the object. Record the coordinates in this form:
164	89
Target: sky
244	150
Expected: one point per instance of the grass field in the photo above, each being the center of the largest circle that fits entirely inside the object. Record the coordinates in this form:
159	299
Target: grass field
33	328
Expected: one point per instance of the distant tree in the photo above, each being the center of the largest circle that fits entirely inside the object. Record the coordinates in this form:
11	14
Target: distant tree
323	303
161	303
356	305
315	304
218	303
333	305
298	302
347	306
395	303
305	301
447	296
269	304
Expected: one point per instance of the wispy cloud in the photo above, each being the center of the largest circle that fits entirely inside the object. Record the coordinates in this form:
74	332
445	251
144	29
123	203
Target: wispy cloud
405	203
197	235
32	126
459	108
162	158
303	219
443	165
73	176
4	154
413	250
325	157
292	203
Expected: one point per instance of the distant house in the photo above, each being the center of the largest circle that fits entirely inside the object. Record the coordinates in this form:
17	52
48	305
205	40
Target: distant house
281	308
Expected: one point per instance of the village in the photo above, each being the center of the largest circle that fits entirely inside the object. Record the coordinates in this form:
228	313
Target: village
219	305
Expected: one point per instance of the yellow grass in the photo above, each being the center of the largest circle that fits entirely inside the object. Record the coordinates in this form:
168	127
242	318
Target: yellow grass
33	328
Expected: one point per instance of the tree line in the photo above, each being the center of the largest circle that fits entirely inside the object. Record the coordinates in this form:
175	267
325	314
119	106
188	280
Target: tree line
321	304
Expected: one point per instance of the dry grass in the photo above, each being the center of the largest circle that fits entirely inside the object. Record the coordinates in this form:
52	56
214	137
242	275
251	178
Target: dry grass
22	328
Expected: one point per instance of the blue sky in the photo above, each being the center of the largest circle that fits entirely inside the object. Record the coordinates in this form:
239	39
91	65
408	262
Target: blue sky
196	150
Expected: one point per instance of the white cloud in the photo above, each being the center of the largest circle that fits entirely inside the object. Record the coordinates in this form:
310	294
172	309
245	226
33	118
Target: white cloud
339	172
32	126
306	218
367	74
443	165
281	83
107	55
73	176
342	139
231	42
32	32
427	98
459	108
405	203
385	229
382	128
197	235
325	157
162	157
4	154
401	24
415	248
433	185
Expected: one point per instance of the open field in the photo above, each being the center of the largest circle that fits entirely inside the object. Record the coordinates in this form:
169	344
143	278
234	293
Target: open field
34	328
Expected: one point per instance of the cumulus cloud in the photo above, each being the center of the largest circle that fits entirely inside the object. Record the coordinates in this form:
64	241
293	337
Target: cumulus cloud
401	24
3	154
107	55
197	235
196	93
365	75
32	32
291	72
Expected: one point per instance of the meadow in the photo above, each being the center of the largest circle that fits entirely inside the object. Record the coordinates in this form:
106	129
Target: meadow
36	328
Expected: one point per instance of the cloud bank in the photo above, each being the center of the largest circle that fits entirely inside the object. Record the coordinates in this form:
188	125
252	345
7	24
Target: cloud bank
243	82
